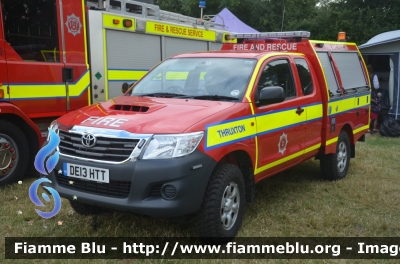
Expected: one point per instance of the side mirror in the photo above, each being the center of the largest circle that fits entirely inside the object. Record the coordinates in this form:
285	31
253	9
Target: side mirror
271	95
125	87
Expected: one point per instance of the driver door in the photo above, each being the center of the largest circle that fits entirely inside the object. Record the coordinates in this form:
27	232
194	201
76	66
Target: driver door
280	127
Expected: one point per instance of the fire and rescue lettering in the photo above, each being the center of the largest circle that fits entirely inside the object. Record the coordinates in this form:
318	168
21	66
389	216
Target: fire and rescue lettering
231	131
105	121
178	30
267	47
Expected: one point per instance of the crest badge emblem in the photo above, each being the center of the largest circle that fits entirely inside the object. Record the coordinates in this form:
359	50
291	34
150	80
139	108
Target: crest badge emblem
283	141
73	24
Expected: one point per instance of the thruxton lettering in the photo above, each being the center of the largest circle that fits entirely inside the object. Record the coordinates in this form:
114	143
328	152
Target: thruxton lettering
105	121
231	131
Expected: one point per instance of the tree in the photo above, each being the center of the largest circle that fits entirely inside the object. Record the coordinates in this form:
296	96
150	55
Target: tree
360	19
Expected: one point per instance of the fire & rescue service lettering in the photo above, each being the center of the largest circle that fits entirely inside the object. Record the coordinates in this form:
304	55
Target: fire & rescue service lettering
178	31
105	121
231	131
266	47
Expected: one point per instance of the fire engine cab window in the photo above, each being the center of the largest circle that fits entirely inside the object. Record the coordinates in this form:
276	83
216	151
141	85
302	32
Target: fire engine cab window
30	28
278	73
305	76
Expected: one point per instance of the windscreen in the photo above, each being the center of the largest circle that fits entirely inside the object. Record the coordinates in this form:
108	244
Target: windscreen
198	78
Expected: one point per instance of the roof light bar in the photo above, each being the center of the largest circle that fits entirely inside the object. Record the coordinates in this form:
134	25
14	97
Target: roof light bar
285	34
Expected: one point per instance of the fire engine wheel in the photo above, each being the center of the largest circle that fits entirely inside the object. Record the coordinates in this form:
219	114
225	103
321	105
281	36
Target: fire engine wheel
85	209
14	153
222	210
335	166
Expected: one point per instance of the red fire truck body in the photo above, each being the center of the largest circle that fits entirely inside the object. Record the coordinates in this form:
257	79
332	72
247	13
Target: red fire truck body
196	133
58	56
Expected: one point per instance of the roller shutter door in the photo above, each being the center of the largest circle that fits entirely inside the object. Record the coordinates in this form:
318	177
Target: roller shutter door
175	46
133	51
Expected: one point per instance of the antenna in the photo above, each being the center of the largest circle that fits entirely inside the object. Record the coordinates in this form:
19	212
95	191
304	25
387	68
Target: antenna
283	17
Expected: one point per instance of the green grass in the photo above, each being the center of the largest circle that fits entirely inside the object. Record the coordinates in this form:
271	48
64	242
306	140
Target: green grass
295	203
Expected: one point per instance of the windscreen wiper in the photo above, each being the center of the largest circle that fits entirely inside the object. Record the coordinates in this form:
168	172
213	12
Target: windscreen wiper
215	97
168	95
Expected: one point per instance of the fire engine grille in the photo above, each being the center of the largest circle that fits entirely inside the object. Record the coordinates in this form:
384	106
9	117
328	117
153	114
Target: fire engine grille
117	189
105	149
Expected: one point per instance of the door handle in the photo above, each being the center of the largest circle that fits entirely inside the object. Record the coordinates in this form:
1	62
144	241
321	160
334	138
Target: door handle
299	110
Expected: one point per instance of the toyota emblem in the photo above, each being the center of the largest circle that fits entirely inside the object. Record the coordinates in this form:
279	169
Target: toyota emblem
88	140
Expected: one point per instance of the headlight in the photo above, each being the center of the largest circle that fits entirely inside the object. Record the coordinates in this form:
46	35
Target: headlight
54	127
172	146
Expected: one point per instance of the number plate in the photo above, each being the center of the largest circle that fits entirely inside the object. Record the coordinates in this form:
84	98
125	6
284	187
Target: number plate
86	172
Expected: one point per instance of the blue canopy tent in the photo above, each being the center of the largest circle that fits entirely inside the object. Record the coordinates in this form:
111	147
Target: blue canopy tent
383	53
232	23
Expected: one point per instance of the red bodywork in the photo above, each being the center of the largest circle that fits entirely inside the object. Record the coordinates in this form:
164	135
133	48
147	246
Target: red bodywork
36	88
170	116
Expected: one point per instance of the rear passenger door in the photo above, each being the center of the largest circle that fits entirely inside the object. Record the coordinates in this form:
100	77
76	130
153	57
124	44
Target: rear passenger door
312	105
281	127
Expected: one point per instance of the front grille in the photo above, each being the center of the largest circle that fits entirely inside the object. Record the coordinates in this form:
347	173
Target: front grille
117	189
106	149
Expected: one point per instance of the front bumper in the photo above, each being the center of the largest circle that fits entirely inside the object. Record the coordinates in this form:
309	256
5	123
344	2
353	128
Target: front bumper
143	186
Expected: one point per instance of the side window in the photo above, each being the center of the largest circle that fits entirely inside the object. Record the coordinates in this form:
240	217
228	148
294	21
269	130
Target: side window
278	73
30	27
305	76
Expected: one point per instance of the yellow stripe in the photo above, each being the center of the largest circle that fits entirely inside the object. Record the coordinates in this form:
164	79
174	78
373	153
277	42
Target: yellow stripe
125	75
360	129
134	75
312	148
331	141
217	135
278	120
179	31
314	111
231	131
252	82
49	90
346	104
108	22
285	159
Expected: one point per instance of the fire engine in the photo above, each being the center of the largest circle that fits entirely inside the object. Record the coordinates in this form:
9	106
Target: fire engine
198	131
58	56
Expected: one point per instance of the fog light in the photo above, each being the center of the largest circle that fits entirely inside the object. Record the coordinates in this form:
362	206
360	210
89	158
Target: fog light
168	192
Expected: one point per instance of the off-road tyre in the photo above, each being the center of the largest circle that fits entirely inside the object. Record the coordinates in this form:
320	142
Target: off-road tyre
14	153
224	196
335	166
86	209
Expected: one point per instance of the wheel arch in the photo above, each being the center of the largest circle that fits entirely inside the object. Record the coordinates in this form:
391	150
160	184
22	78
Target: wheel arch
29	132
347	128
243	160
